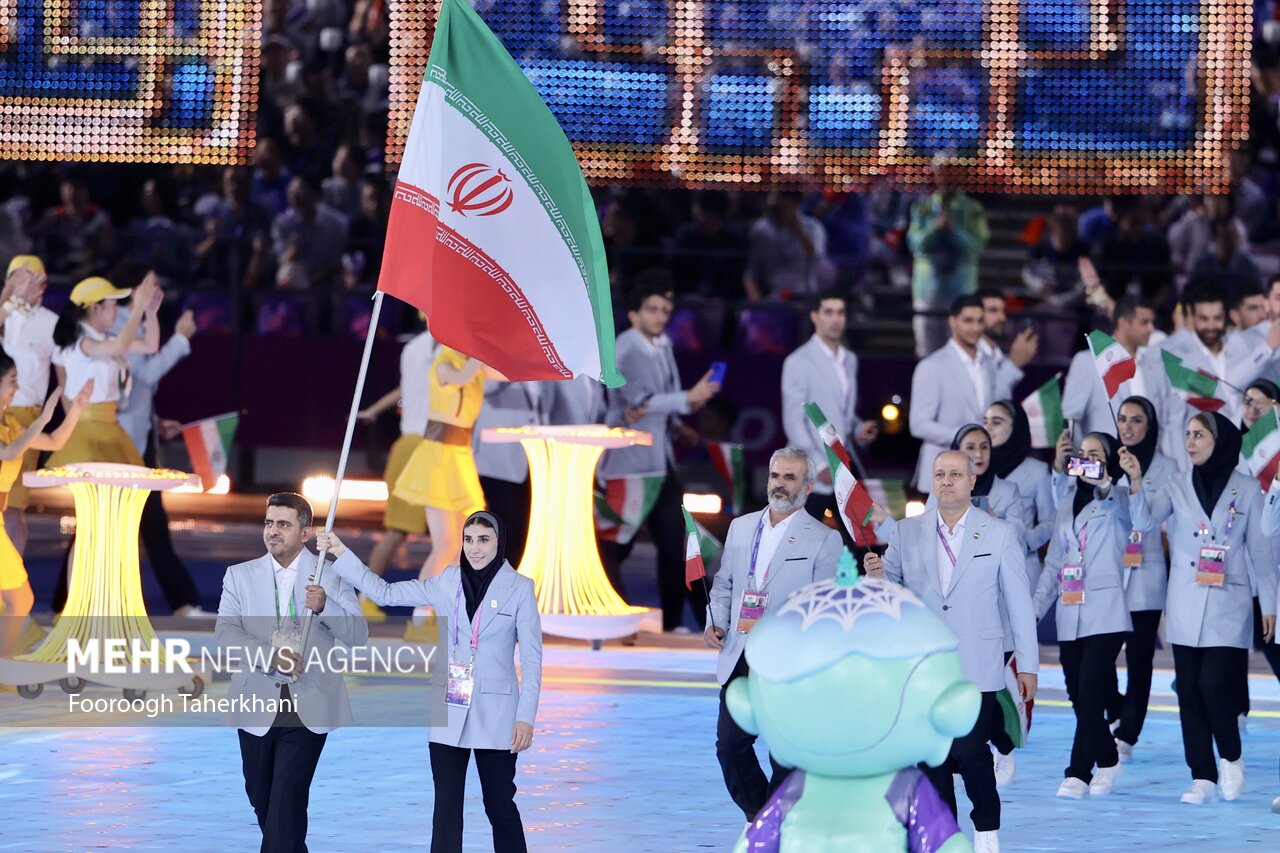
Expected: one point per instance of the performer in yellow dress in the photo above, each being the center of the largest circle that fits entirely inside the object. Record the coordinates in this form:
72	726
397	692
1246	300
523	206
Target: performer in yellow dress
86	350
441	474
16	438
26	333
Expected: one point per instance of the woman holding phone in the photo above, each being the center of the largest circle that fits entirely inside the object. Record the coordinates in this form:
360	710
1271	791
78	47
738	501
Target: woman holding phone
1212	514
1084	581
1146	577
491	609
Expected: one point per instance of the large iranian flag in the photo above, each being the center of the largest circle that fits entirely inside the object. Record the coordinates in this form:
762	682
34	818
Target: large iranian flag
493	233
1261	448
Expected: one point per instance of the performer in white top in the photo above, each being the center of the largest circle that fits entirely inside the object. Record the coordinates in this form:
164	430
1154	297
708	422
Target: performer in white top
26	333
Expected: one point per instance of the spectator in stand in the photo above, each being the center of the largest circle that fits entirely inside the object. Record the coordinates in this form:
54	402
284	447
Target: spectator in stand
1135	259
1191	236
1052	272
786	250
270	176
1098	223
709	250
947	233
630	236
361	83
846	220
343	189
308	239
158	242
234	249
368	230
281	21
1226	264
75	238
309	153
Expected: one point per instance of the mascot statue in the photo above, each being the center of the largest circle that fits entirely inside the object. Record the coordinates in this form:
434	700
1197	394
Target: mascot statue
853	682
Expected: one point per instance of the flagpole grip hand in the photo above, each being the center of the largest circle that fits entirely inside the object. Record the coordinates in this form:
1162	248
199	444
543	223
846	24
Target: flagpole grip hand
873	565
1131	466
327	540
713	637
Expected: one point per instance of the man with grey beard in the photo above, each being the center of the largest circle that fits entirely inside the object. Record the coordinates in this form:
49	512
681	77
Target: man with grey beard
767	555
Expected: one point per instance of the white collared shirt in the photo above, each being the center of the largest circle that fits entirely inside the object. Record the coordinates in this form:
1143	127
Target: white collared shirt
771	536
28	339
977	376
839	361
1218	363
286	577
955	539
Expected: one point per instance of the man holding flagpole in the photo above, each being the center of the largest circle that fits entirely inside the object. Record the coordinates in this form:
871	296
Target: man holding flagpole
767	555
1085	397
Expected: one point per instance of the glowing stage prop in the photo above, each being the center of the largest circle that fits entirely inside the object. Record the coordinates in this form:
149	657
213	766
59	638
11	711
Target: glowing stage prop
575	597
104	602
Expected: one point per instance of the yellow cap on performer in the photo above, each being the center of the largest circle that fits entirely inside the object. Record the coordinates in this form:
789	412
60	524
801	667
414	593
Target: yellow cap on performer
96	289
30	262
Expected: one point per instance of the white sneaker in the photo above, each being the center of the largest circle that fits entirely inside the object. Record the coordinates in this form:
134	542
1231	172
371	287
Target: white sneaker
1124	750
1073	789
1275	805
1231	778
1006	766
1201	791
986	842
1104	780
198	612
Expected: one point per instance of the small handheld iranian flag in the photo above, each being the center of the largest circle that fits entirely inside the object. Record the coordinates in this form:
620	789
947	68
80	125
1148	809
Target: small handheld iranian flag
1200	389
209	444
493	233
694	567
827	433
624	505
1044	413
1261	448
729	462
1115	365
853	500
1015	711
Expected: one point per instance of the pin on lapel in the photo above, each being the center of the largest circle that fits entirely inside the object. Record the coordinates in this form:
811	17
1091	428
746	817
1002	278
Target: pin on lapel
975	536
493	602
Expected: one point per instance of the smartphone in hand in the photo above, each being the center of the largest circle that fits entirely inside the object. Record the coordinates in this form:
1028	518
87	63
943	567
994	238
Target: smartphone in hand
1078	467
718	370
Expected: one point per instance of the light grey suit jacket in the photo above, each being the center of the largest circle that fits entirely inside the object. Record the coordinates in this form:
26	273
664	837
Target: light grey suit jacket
1204	616
509	617
137	412
989	570
1004	374
1147	587
809	554
573	401
1104	610
942	401
646	375
246	618
506	404
809	376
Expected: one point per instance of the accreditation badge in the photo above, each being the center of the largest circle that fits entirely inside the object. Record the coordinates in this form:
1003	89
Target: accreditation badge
753	605
1211	570
1133	550
461	682
1073	584
285	637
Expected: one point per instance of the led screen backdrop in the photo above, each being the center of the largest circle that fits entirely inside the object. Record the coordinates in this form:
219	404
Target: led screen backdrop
1035	96
128	80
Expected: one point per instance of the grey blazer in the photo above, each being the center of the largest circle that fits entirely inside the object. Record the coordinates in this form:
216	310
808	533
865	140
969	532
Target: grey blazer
1006	503
1271	523
809	376
1147	587
246	618
809	554
506	404
573	401
942	401
1104	610
989	571
1204	616
509	616
657	378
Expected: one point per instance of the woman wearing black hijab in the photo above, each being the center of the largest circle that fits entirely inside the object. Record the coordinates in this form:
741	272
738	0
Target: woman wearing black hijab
1084	579
489	609
1146	576
1259	398
1212	515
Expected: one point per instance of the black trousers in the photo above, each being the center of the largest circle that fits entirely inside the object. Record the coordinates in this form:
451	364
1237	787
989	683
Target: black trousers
971	758
666	529
1208	704
735	750
278	768
497	769
510	502
1089	666
1139	653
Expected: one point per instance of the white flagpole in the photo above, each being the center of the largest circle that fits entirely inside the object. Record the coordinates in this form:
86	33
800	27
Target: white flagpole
342	460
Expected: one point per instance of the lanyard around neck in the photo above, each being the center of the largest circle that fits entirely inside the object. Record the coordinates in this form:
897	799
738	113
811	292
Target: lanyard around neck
275	585
457	617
